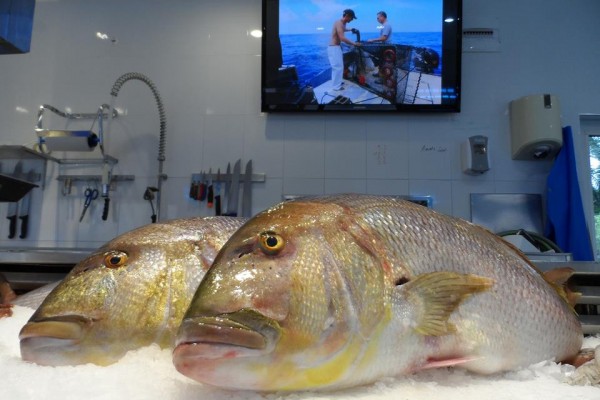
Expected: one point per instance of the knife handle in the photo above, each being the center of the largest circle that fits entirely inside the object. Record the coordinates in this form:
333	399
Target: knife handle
194	191
24	226
12	227
105	210
201	192
218	204
210	196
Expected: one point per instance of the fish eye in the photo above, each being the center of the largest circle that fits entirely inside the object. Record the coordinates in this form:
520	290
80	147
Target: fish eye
271	243
115	259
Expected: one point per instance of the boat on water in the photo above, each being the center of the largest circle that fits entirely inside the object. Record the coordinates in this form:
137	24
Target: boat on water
374	74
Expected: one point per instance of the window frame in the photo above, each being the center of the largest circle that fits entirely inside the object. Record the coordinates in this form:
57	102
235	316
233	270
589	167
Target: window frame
589	126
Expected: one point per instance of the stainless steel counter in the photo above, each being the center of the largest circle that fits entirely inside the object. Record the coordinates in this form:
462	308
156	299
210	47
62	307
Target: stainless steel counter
580	267
42	255
28	268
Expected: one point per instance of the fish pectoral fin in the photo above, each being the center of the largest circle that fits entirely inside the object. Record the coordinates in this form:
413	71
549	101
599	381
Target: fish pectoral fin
437	294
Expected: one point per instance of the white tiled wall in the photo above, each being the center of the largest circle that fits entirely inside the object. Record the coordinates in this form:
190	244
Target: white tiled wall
206	66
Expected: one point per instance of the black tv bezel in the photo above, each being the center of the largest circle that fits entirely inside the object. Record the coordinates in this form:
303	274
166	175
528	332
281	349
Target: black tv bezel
451	73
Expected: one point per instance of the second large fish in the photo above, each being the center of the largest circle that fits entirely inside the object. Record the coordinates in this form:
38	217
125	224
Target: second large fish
130	293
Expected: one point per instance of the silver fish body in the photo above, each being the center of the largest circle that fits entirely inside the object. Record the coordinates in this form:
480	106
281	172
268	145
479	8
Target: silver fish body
130	293
343	290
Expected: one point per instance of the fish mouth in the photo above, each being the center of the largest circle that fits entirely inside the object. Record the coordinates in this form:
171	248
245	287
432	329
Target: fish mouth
49	334
239	334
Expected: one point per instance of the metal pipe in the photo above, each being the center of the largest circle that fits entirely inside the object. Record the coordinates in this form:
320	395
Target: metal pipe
163	125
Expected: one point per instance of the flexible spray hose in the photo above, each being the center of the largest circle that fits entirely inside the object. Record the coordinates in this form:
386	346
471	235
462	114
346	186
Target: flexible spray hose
163	125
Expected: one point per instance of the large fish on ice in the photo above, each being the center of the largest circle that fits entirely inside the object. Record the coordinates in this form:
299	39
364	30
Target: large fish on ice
343	290
130	293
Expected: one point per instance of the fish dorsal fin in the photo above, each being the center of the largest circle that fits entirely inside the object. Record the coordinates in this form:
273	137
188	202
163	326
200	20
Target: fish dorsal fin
436	295
557	278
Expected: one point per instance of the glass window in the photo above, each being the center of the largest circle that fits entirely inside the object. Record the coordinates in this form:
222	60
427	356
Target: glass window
594	153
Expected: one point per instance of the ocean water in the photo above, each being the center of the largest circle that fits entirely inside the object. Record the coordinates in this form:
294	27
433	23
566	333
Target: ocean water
308	52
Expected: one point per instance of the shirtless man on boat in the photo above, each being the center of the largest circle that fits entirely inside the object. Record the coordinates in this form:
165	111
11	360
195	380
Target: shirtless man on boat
334	50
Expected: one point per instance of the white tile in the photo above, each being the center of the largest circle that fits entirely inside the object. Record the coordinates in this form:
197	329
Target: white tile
521	187
345	148
184	145
508	169
387	186
253	83
333	186
304	147
303	186
129	210
227	89
62	217
440	191
95	230
266	195
223	141
387	148
263	144
430	156
176	202
461	195
134	142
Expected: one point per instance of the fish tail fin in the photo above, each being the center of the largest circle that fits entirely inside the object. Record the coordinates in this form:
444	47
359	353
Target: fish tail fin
558	278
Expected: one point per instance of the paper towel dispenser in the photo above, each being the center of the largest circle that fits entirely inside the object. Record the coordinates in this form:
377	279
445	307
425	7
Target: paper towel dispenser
16	25
536	130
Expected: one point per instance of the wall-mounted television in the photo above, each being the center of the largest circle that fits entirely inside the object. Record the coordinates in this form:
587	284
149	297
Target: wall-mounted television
364	55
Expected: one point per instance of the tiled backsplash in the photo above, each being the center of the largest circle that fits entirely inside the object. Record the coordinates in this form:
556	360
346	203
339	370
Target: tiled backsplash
206	66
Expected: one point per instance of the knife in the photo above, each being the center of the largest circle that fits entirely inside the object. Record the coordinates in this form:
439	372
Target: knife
25	206
13	207
232	199
227	188
247	195
210	190
202	187
218	193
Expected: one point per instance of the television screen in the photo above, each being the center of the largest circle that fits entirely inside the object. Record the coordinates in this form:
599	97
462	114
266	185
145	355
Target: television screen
392	55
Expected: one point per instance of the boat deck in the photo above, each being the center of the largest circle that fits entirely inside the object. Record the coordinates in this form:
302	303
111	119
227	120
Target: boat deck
420	89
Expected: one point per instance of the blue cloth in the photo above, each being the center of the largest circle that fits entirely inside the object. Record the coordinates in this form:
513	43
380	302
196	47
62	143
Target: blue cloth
565	215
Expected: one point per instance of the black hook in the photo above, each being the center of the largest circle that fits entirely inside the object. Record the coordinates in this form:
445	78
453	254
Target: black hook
149	195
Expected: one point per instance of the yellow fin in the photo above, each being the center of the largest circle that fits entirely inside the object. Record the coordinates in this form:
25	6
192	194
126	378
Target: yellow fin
438	294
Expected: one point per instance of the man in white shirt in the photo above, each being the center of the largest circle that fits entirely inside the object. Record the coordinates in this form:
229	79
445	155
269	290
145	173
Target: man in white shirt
386	30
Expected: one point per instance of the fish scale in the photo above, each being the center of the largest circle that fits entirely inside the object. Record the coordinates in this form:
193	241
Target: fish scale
406	289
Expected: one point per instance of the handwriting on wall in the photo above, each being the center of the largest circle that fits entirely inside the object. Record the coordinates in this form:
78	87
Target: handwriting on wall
380	154
426	148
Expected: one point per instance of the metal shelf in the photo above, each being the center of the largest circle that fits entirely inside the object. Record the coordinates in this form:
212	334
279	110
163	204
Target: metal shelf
225	177
93	178
35	161
23	153
88	161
